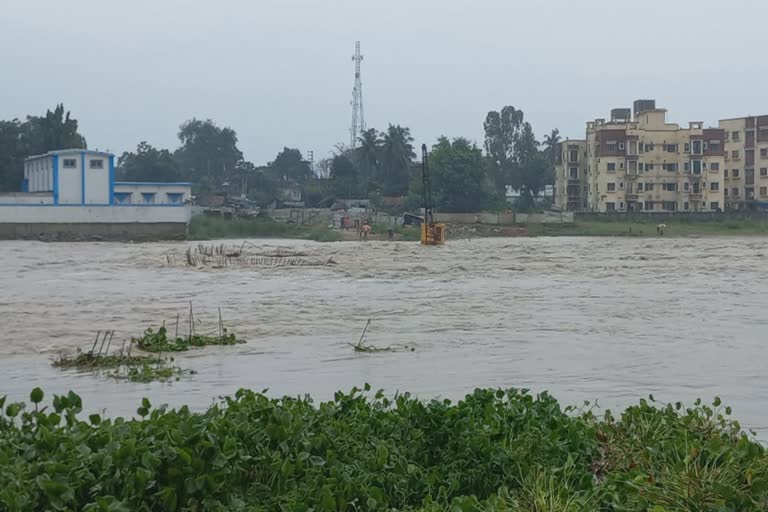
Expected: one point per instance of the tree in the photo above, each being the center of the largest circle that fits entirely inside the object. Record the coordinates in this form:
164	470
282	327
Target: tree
501	131
35	136
550	153
529	167
208	154
459	180
397	154
344	174
289	167
56	130
12	154
367	155
148	164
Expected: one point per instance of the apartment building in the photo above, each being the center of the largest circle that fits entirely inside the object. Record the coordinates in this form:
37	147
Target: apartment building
745	177
571	175
639	162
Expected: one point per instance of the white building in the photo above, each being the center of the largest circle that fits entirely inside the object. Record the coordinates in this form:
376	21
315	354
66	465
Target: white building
63	190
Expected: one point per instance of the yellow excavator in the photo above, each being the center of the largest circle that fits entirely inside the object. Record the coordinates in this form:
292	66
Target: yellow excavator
431	232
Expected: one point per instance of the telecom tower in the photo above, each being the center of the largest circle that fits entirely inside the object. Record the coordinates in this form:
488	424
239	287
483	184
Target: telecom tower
358	116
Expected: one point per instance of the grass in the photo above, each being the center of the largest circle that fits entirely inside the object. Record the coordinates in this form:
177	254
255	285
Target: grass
204	227
647	228
495	450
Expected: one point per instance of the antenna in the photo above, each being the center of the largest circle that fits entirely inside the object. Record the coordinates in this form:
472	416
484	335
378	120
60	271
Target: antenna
358	115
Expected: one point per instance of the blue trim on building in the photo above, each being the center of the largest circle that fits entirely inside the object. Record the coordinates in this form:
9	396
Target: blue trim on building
25	185
111	179
55	179
152	184
138	205
82	177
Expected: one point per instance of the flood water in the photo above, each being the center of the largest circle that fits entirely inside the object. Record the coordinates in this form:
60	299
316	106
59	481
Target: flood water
608	319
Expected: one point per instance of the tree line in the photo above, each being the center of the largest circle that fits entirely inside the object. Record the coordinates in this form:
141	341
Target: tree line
383	164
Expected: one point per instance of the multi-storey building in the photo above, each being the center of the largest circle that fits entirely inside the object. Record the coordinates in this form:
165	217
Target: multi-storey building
571	175
746	161
638	161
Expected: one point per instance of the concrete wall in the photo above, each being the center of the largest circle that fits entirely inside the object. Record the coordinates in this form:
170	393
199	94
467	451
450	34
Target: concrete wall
33	214
123	232
96	178
309	216
505	219
671	216
13	198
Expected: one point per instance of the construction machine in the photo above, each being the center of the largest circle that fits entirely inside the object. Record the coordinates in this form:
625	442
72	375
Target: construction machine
431	232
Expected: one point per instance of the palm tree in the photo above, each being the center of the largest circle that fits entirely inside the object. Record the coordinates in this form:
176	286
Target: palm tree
550	144
368	156
397	153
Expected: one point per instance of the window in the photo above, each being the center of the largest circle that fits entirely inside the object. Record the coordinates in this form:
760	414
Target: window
696	147
735	173
704	165
763	191
640	166
697	167
611	166
686	186
573	173
685	205
621	206
123	198
70	163
621	165
735	136
687	166
714	166
648	205
749	176
610	207
573	155
725	192
639	187
648	167
714	186
687	147
175	198
735	192
611	146
649	147
727	136
763	172
649	187
714	205
96	164
670	148
669	187
763	152
725	173
621	185
621	146
148	197
714	147
669	167
735	154
611	187
669	206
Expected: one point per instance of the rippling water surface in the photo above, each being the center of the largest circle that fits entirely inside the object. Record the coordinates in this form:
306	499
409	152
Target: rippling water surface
608	319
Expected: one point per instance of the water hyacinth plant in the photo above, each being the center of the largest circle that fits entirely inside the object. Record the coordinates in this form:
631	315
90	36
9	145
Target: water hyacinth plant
495	450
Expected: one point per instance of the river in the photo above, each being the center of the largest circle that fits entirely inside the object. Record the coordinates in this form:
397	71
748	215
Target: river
613	319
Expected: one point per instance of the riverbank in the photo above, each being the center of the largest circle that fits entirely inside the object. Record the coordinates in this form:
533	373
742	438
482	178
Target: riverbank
212	228
366	450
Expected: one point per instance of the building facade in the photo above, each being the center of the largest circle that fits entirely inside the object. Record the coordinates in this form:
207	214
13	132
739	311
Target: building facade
63	191
639	162
571	175
746	161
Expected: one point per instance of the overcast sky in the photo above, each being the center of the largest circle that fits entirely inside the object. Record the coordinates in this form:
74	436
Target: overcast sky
280	73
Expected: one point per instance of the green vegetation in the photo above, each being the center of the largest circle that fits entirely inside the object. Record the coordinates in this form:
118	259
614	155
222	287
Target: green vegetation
135	368
204	227
646	228
160	341
496	450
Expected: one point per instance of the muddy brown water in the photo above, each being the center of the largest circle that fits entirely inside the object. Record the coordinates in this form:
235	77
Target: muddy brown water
612	319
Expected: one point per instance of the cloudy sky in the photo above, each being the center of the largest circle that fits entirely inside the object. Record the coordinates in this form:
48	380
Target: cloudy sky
279	71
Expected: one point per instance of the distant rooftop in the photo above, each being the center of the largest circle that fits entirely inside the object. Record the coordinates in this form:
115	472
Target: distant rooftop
68	151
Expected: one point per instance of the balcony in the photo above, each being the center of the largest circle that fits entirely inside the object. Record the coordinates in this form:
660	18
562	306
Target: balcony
630	196
695	196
